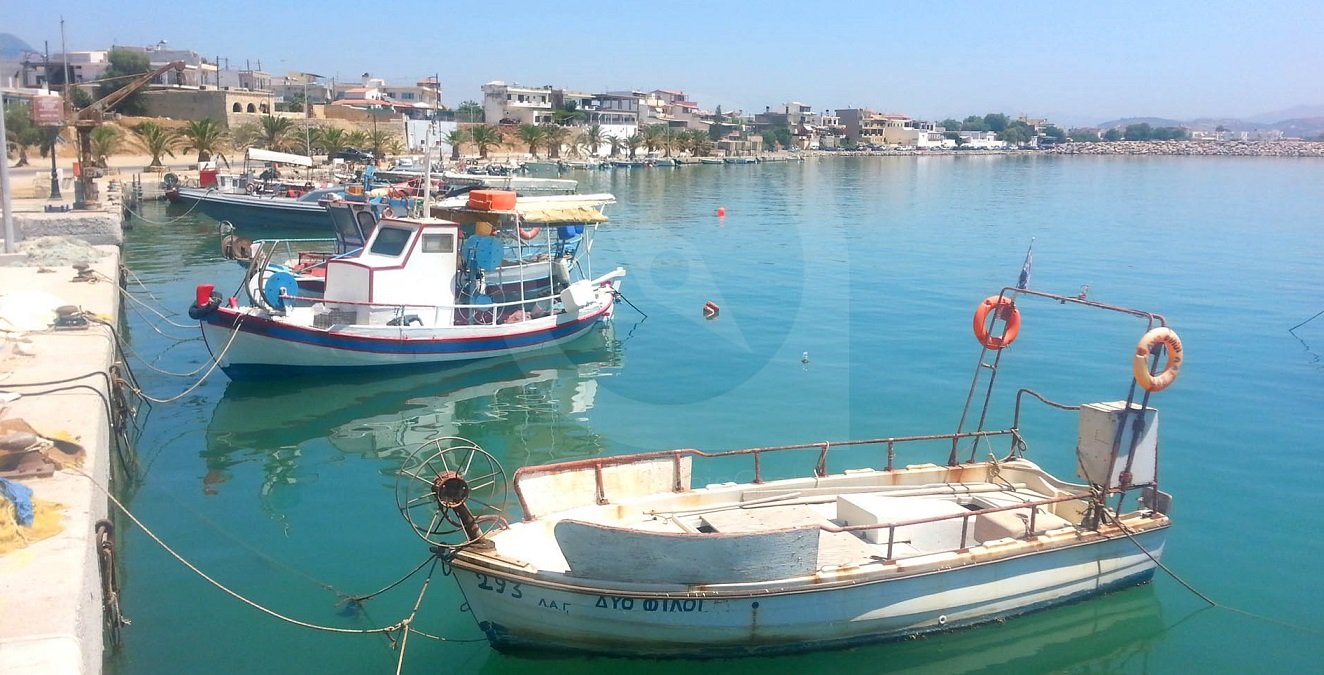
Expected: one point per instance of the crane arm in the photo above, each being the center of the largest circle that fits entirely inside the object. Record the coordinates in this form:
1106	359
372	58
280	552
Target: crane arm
92	113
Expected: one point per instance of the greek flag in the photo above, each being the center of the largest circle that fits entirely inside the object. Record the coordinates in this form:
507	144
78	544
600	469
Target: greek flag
1024	281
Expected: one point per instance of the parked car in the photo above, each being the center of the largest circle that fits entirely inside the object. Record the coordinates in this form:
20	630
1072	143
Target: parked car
353	155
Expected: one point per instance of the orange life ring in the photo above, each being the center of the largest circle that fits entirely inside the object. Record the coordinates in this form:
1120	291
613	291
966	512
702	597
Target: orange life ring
529	233
1140	365
1007	312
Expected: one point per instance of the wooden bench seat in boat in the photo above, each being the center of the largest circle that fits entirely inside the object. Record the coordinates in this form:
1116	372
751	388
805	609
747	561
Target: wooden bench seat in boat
609	553
834	548
1016	522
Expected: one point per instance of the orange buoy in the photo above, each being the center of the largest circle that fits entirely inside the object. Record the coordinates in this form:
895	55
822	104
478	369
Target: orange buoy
710	310
1007	312
527	233
721	212
1140	364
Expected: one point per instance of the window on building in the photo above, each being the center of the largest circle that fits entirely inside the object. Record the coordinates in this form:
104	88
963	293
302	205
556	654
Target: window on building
237	108
252	108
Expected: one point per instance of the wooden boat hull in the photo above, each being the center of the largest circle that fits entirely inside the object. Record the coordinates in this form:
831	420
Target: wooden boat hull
248	344
518	612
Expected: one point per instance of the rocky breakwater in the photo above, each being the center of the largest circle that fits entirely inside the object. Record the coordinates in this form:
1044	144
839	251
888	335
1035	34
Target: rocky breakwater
1204	148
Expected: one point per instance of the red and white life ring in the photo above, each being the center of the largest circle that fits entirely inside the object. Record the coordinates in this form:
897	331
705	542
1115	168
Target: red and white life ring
527	233
1140	364
1007	312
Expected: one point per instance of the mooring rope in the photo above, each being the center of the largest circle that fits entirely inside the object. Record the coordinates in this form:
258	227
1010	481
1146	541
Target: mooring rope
172	221
1212	603
215	363
1317	315
130	296
626	300
402	624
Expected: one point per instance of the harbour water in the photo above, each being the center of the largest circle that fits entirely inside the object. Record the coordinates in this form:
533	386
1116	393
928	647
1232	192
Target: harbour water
846	287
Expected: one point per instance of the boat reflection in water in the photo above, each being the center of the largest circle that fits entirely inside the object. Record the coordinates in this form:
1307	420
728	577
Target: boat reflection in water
1111	634
526	409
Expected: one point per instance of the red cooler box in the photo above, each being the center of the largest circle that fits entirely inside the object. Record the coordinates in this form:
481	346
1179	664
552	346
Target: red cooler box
492	200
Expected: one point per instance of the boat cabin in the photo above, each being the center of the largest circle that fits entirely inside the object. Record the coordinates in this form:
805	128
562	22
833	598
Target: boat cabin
406	272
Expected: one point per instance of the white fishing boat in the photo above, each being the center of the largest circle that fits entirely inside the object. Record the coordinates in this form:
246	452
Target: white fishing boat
824	544
488	279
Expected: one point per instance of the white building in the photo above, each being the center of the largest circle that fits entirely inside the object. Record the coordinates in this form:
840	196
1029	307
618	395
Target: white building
515	104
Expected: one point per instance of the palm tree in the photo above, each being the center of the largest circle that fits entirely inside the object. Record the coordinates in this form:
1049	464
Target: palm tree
206	136
455	139
653	136
156	140
356	139
532	135
245	136
593	138
330	139
552	137
379	143
577	144
701	144
106	141
616	143
276	132
671	139
633	143
484	136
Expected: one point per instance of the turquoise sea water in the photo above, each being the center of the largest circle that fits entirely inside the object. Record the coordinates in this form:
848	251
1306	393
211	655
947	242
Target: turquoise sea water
846	287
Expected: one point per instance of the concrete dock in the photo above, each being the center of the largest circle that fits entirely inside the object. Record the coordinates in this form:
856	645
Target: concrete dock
51	599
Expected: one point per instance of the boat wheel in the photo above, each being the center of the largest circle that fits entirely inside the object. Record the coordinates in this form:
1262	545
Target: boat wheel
451	492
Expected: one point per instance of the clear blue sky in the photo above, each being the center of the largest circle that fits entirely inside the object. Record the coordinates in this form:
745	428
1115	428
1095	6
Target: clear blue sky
1075	62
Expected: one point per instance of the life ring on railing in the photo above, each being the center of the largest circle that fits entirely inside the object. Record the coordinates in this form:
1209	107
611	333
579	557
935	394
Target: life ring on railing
1007	312
388	212
1167	337
527	233
250	188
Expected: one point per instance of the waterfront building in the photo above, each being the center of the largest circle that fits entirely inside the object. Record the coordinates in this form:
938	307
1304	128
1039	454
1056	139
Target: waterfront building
516	104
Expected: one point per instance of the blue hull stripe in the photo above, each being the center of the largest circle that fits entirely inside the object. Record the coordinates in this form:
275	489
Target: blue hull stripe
226	320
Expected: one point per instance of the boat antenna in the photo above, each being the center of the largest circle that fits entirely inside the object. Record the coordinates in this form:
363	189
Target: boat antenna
427	172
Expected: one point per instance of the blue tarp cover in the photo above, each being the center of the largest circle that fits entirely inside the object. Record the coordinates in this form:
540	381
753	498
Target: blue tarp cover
21	496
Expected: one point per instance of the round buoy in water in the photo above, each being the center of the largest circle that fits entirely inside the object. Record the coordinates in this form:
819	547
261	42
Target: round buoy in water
710	310
721	212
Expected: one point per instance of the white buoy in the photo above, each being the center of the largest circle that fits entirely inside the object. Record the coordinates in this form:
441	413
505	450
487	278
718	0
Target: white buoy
804	358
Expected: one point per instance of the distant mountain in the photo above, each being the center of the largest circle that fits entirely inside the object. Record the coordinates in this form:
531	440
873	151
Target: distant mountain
1303	126
1293	113
1151	121
1308	127
12	47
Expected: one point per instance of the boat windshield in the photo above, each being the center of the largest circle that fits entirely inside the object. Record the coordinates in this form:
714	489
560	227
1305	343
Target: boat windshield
390	241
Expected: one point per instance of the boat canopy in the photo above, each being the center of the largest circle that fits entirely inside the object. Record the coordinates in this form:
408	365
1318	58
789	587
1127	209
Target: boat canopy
559	210
260	155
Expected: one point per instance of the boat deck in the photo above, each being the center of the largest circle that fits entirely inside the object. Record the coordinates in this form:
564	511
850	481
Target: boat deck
853	527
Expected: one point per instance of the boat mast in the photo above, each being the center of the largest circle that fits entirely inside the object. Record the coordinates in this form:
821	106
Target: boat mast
427	172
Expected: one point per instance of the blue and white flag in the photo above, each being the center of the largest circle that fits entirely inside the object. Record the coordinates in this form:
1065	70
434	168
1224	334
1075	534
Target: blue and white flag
1024	281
